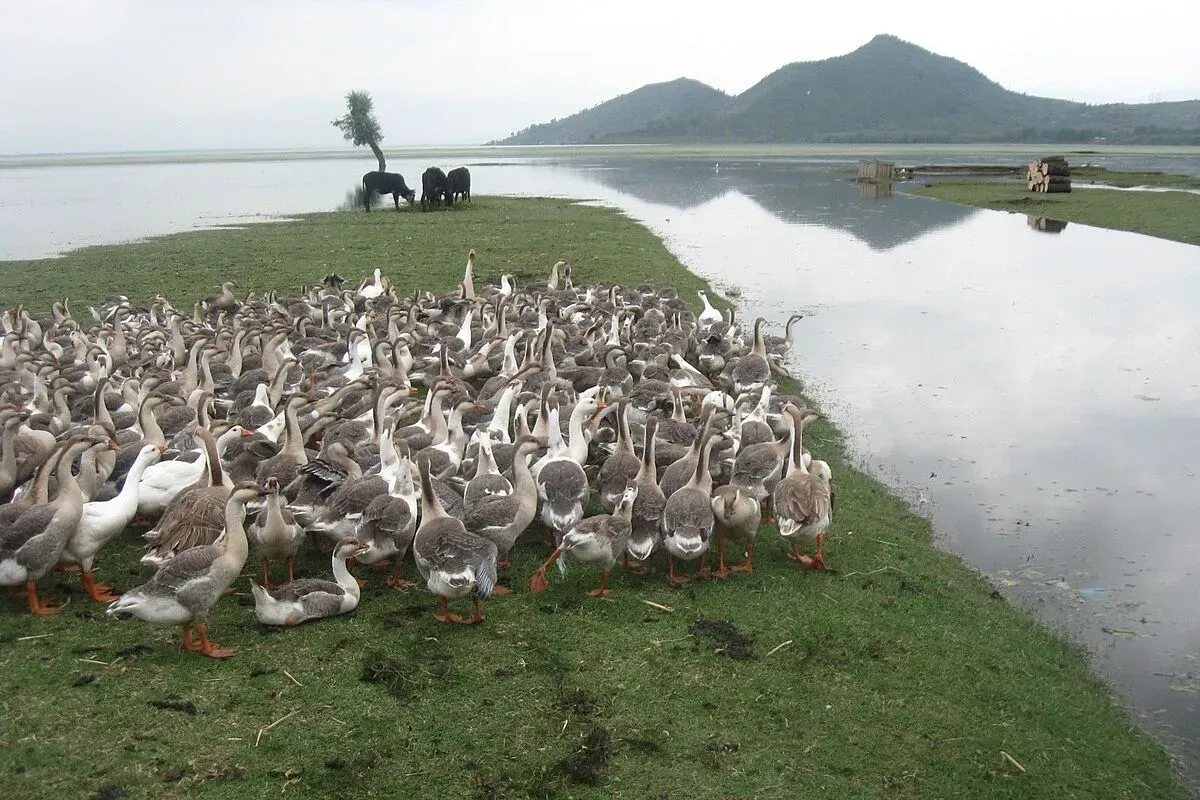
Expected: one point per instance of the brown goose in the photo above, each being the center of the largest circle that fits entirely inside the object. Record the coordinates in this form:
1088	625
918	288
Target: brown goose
32	545
453	561
803	501
737	516
275	534
752	370
601	538
678	473
184	588
195	516
284	466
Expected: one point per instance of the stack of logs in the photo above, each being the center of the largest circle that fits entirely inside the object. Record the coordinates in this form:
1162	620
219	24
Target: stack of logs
1050	175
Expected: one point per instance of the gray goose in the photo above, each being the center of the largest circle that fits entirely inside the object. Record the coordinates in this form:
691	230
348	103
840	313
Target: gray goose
453	561
307	599
195	516
274	533
601	538
646	519
752	370
502	518
186	587
622	466
688	518
34	542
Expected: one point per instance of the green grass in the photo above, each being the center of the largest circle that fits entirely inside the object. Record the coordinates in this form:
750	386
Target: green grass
1112	177
898	674
1166	215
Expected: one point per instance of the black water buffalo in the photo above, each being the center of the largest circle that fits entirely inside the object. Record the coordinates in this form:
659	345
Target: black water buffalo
433	188
458	184
386	183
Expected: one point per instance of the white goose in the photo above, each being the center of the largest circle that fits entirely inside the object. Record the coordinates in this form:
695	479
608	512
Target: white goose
310	598
101	521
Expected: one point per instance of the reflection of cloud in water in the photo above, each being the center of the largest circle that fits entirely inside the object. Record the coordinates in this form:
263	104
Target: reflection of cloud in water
796	194
1011	379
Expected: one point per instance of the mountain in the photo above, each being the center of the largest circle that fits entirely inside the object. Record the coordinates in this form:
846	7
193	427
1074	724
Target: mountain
681	101
888	90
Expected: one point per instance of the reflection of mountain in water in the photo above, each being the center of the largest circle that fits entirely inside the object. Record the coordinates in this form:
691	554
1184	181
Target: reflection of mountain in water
795	193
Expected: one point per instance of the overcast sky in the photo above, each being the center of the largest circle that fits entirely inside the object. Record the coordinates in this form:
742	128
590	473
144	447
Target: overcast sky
90	75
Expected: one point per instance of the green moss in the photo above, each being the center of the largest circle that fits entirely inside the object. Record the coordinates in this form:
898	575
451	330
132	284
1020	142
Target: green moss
901	674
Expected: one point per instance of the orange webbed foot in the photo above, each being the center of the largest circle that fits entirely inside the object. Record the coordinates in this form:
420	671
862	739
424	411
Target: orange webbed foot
219	653
500	591
538	582
600	593
448	618
397	583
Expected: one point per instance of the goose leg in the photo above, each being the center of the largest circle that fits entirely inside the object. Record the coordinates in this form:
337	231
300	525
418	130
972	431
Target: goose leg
819	562
187	642
395	581
100	592
537	581
266	575
672	578
477	617
446	615
39	607
504	563
208	648
702	570
795	556
602	591
722	571
746	566
291	562
639	569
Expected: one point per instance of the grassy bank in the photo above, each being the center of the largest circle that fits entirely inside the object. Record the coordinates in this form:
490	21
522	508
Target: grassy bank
1166	214
897	674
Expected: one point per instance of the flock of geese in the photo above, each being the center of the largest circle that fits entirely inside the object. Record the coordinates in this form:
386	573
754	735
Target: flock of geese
377	425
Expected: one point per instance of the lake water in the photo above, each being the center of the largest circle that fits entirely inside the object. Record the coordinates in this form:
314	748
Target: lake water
1036	393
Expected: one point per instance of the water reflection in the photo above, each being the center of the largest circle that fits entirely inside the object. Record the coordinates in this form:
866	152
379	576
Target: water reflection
794	193
1046	417
870	190
1045	224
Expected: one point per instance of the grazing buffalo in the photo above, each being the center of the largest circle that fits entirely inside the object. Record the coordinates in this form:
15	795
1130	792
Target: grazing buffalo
386	183
458	184
433	188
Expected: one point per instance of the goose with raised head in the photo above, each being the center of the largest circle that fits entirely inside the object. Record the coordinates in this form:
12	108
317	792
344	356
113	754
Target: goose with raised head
34	542
736	515
562	484
646	515
803	502
487	480
601	538
502	518
387	524
274	534
709	316
296	602
679	472
688	518
453	561
622	466
752	371
186	587
287	463
758	468
163	480
101	521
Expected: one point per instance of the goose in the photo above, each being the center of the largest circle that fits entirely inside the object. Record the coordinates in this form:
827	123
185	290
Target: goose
752	371
487	480
34	542
387	524
502	518
453	561
709	316
758	468
196	515
646	515
274	533
736	515
562	484
803	503
186	587
296	602
687	518
678	473
101	521
622	466
601	538
161	481
286	465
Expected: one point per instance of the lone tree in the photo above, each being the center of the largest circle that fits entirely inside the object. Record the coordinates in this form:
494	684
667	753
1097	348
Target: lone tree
360	126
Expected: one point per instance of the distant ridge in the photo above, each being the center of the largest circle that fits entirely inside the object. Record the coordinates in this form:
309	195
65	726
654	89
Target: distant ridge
888	90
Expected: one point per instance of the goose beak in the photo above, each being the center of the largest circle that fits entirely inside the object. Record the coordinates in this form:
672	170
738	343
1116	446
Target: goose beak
162	448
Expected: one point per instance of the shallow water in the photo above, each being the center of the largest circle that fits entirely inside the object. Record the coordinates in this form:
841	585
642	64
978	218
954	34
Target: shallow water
1035	393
